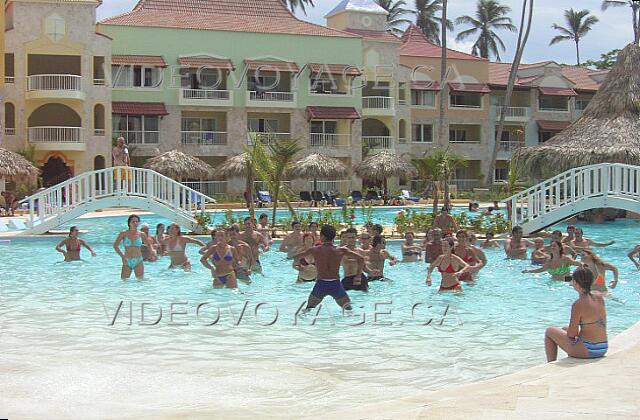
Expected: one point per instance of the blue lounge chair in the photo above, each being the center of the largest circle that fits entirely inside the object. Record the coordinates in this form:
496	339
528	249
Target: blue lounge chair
356	196
264	198
329	198
407	196
372	196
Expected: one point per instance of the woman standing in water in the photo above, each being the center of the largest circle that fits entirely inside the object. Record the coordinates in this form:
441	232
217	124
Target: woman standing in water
225	261
176	247
558	265
161	247
450	266
132	240
306	266
72	245
469	255
586	335
598	268
411	252
147	255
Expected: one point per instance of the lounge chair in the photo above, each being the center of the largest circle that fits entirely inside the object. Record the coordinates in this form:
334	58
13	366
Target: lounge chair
372	196
263	198
406	195
318	198
305	197
329	198
356	196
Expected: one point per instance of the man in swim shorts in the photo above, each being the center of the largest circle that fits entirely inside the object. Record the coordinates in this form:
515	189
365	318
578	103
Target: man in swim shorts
256	241
293	241
445	222
350	265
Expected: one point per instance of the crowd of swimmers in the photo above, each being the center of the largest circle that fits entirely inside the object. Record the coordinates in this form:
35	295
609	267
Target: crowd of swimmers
233	254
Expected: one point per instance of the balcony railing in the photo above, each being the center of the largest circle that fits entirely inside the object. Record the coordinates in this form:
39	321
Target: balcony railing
206	94
9	131
98	82
465	106
266	138
544	109
139	137
9	79
55	135
54	82
377	102
377	142
330	140
99	132
204	138
514	112
510	146
464	141
257	96
208	188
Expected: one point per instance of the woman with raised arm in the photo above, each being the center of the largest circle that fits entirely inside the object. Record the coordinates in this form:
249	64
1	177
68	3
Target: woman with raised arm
598	268
558	264
225	261
176	247
450	266
72	246
132	241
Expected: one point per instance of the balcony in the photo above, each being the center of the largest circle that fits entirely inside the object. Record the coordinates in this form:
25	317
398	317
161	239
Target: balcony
54	86
378	105
271	99
204	138
330	140
57	138
514	113
377	142
9	131
509	147
205	97
464	141
266	138
139	137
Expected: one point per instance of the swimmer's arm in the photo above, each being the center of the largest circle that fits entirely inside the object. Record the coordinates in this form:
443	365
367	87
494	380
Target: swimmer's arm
59	246
284	245
573	330
116	244
599	244
145	239
614	270
433	265
303	254
632	254
480	256
86	245
461	263
390	257
265	242
236	258
507	246
194	241
528	243
542	269
204	260
359	259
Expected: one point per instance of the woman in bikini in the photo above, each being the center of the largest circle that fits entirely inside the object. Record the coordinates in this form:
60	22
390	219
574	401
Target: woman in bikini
161	247
306	266
147	255
586	335
376	256
132	241
411	252
72	246
225	261
468	254
176	247
558	264
598	268
450	266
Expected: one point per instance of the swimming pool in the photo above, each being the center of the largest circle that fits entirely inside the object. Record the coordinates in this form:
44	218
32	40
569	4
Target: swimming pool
57	341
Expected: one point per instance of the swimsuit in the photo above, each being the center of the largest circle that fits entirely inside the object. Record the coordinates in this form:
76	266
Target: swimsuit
177	247
69	249
227	257
133	262
598	284
595	350
348	284
563	270
329	287
450	288
223	278
449	270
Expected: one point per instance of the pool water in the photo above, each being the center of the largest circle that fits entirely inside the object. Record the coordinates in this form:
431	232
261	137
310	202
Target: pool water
58	340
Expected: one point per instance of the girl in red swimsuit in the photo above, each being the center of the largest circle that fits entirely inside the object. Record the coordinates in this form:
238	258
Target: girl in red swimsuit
468	255
450	266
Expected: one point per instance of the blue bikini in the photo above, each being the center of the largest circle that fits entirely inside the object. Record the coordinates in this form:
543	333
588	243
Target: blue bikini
595	350
133	262
228	256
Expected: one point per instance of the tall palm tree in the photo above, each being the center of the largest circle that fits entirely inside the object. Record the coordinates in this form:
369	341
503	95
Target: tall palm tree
438	169
444	86
578	26
397	10
294	4
428	20
490	15
635	11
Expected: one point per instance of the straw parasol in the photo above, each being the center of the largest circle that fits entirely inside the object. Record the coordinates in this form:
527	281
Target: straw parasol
383	165
607	132
317	165
15	167
178	165
239	166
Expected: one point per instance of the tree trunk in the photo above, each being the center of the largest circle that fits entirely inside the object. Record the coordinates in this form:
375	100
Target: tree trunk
444	87
276	195
249	193
436	196
578	51
523	36
447	197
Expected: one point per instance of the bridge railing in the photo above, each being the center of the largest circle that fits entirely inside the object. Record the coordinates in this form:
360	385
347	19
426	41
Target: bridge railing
575	185
113	182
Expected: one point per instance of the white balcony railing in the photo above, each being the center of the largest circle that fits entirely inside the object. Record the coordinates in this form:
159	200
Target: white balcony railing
99	132
208	188
377	102
206	94
464	141
204	138
55	135
98	82
514	112
266	138
330	140
377	142
545	109
9	79
9	131
510	146
139	137
271	96
54	82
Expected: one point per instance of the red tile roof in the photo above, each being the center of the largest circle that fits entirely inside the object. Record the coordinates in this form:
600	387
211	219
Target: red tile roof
470	87
139	108
334	69
272	65
198	61
374	35
553	125
416	44
139	60
580	76
261	16
425	85
332	113
551	91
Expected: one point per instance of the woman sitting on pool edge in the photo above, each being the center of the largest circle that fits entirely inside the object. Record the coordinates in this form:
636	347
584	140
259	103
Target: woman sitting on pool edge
225	260
558	265
132	256
72	246
586	335
454	267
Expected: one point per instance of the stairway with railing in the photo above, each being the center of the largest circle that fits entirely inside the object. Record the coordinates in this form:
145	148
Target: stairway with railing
605	185
115	187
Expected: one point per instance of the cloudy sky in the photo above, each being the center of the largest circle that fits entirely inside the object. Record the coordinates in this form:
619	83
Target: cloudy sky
613	31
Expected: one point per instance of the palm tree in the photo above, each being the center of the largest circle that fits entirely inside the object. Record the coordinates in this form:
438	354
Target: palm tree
397	9
427	167
635	9
444	86
294	4
579	24
428	21
490	15
438	169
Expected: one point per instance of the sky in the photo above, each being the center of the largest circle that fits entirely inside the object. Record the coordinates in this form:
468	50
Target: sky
613	31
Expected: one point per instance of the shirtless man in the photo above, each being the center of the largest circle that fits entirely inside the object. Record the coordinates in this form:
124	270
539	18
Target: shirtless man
433	249
263	227
516	247
489	242
571	230
350	265
580	242
313	230
328	258
243	271
445	222
365	241
256	241
556	235
376	257
293	241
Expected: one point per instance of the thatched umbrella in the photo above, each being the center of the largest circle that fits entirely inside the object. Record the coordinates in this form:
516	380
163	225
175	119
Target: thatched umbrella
317	165
15	167
383	165
238	166
608	131
178	165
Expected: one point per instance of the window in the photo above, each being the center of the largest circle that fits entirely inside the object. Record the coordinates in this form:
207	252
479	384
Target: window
263	125
198	124
263	83
466	100
581	104
135	76
422	133
324	127
546	135
553	103
323	86
506	136
9	75
55	27
501	174
98	70
423	98
402	96
136	129
9	119
457	135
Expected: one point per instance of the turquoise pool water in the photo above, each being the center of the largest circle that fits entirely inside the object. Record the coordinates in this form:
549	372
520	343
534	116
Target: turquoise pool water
57	337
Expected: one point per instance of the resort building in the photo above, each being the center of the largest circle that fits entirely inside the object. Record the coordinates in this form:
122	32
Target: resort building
56	101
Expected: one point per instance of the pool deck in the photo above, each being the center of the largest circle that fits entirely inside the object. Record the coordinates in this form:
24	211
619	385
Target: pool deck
567	389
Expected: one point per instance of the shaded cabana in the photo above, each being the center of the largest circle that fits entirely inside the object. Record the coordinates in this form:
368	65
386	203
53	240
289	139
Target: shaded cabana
317	165
177	165
14	167
384	165
239	166
607	132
